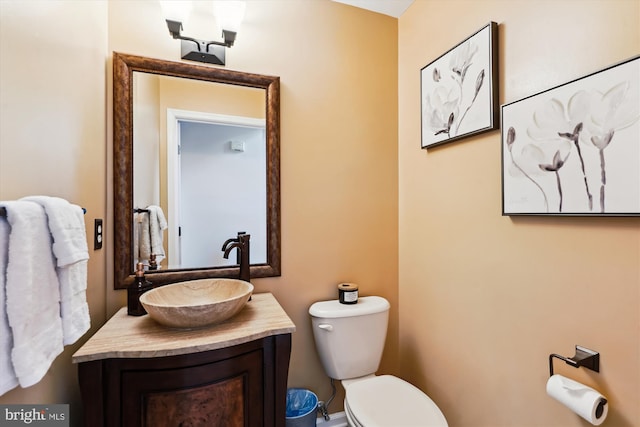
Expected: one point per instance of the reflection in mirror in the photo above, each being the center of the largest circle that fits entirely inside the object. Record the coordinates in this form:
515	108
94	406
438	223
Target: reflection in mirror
199	156
199	145
221	189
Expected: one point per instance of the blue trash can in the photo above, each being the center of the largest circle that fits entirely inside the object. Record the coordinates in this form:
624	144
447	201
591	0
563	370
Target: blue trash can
301	408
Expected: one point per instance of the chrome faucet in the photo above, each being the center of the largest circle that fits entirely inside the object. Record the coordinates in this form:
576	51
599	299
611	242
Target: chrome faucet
242	244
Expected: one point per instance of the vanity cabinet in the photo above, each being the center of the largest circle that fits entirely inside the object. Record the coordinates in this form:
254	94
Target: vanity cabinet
232	374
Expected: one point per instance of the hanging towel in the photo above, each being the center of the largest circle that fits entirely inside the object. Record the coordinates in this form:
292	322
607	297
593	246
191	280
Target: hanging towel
66	225
8	379
157	224
32	292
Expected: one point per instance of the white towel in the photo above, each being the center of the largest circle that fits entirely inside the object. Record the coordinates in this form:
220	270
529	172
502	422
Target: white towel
157	224
33	293
66	225
8	379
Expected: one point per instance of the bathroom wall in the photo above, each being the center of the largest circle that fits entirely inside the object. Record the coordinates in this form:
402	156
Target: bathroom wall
52	138
338	69
484	299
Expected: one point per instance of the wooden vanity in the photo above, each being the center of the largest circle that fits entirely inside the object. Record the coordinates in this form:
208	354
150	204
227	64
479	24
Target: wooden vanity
135	372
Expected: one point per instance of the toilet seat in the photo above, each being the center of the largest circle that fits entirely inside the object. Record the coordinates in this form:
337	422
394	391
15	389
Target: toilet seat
386	401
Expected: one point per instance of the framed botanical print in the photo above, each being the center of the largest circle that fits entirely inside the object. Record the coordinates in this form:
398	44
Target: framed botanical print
575	149
459	90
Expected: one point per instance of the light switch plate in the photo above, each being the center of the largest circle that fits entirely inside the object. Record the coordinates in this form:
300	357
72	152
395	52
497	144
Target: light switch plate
97	234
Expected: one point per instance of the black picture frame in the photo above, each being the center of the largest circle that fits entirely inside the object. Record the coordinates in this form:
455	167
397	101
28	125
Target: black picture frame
574	149
459	90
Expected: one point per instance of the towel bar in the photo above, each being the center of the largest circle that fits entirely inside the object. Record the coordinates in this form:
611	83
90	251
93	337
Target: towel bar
3	211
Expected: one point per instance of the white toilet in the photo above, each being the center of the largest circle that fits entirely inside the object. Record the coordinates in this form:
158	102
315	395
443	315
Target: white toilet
350	339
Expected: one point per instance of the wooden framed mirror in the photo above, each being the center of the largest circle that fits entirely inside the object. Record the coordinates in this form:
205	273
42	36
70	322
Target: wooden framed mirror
124	68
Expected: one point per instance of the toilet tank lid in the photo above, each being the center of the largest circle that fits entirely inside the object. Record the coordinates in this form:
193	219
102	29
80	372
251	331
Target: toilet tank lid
334	309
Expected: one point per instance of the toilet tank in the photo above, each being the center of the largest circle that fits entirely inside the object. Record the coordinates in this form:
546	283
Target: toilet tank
350	337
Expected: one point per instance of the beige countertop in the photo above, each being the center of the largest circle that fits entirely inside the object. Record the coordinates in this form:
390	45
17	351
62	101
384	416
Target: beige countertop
125	336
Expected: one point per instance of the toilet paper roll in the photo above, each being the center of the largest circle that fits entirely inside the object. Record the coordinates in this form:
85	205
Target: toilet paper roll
581	399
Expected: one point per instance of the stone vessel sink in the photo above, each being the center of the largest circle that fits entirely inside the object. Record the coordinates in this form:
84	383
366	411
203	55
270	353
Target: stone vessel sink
196	303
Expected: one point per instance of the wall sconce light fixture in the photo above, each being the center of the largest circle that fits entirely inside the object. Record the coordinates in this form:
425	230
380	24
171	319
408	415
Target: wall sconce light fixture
229	15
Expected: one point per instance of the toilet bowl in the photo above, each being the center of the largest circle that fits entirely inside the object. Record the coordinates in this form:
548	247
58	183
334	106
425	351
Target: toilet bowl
388	401
350	340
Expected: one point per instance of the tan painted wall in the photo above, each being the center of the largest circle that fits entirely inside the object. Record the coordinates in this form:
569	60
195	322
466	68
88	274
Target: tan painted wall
52	138
484	299
338	69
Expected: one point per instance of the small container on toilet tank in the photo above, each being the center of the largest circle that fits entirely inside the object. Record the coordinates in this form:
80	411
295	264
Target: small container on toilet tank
348	293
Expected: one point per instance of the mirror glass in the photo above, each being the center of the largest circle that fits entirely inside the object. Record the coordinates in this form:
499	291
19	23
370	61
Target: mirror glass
196	148
199	155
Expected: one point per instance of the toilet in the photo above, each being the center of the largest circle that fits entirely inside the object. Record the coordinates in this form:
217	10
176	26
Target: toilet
350	340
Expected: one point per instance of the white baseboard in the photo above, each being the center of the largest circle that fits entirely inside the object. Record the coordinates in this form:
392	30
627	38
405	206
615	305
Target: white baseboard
338	419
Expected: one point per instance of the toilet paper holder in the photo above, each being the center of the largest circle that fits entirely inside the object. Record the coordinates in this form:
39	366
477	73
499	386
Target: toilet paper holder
584	357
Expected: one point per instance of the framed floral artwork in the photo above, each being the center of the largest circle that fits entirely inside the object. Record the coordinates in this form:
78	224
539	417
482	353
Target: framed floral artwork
575	149
459	90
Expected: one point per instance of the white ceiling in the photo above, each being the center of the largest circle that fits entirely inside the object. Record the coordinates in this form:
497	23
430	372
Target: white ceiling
393	8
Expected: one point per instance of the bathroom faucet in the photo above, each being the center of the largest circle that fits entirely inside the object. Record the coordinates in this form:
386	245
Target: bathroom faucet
242	244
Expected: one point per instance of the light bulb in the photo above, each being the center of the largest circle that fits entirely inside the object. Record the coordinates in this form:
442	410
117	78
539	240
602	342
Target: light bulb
176	10
229	14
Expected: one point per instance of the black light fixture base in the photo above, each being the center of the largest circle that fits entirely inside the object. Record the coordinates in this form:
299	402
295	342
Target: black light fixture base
202	52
